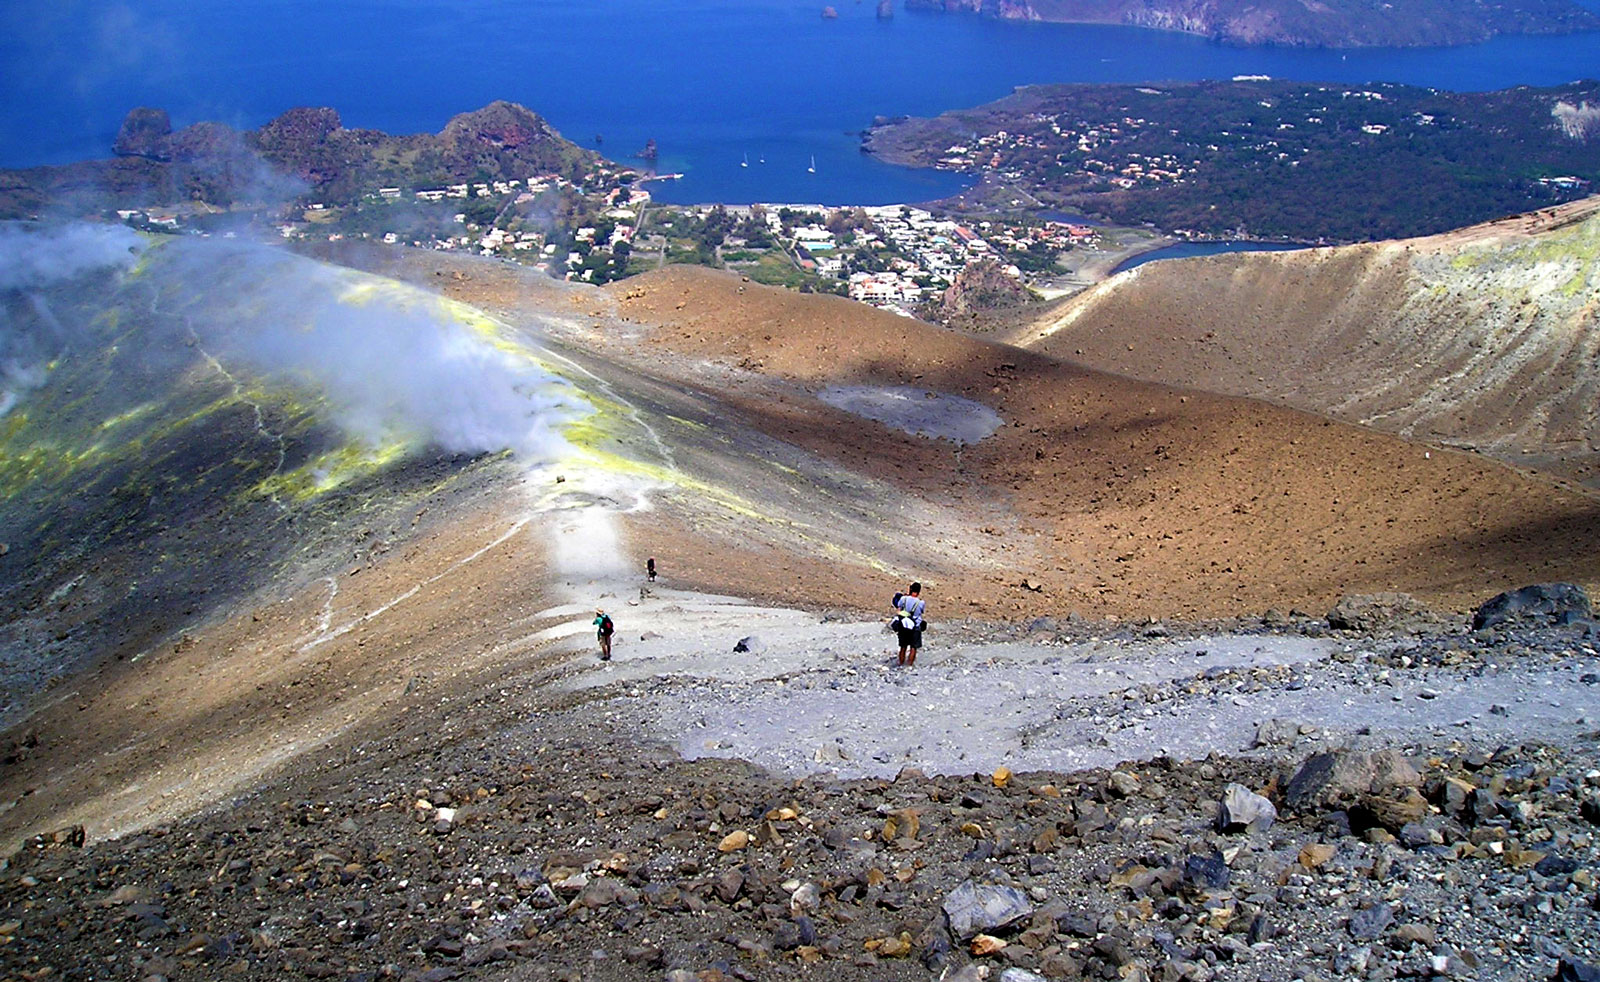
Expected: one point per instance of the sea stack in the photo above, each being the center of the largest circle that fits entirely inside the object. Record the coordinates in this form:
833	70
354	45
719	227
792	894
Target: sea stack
144	133
885	9
828	13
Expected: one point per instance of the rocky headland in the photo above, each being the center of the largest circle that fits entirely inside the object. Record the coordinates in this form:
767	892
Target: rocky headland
1338	24
303	151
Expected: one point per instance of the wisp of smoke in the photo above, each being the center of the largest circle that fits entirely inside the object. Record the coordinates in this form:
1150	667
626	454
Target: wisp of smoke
35	258
394	362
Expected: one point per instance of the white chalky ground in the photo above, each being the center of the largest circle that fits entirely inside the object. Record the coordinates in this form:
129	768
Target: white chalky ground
822	694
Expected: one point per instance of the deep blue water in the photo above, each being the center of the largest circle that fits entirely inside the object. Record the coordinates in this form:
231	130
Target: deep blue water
710	80
1184	250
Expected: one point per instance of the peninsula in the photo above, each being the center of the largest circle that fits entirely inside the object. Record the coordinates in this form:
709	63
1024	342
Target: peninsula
1259	158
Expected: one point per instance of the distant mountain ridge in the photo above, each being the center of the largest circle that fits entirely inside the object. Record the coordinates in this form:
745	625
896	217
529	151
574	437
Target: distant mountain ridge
305	148
1328	24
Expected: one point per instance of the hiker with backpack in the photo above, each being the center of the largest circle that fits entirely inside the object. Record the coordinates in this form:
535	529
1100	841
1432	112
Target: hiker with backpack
908	623
603	629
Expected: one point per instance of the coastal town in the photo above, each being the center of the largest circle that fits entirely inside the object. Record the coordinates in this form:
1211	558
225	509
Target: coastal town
894	257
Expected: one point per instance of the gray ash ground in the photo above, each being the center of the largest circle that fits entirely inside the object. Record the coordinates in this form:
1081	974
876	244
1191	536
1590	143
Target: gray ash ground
590	827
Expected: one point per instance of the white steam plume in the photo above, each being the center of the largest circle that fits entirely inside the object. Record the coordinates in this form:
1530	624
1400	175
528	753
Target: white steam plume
35	258
395	362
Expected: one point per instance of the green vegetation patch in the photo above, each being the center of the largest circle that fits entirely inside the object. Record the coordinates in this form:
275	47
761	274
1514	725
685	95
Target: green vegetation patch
1268	159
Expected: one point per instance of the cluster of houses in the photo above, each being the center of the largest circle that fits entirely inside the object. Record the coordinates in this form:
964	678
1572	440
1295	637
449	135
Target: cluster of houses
993	150
490	189
928	252
519	242
919	254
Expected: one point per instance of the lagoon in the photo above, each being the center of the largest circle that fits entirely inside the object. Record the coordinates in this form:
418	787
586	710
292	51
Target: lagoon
713	82
1186	250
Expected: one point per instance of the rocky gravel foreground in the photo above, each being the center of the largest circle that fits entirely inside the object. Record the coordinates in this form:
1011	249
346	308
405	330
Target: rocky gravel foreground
515	838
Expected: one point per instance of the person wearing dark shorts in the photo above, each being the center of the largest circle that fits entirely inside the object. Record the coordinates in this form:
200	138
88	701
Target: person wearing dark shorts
603	629
908	623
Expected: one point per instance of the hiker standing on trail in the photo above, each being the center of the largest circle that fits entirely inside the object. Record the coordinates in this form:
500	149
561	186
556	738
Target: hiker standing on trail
650	569
909	608
603	629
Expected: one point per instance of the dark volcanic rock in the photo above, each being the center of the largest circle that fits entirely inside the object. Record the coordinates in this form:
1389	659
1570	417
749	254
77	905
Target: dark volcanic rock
1369	924
1571	970
1206	871
1540	604
144	133
1341	778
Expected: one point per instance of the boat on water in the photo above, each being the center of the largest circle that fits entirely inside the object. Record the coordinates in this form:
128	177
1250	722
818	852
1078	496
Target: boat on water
745	162
813	168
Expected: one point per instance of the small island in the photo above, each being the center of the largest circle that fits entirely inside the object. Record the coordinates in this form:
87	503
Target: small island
1264	159
1328	24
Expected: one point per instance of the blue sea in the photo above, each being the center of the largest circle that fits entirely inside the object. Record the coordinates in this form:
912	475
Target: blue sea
1185	250
715	83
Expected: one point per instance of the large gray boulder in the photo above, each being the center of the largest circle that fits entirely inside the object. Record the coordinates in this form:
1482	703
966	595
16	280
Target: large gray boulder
1541	605
975	909
1573	970
1376	613
1340	778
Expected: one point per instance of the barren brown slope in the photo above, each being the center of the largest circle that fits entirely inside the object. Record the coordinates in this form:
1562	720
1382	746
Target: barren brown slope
252	690
1127	497
1117	497
1487	338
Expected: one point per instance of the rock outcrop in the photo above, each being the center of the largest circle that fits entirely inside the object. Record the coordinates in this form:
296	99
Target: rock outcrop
982	289
303	149
143	134
1288	22
1541	604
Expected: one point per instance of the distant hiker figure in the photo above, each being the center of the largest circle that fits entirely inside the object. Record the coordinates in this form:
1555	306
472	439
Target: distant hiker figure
603	629
650	569
909	608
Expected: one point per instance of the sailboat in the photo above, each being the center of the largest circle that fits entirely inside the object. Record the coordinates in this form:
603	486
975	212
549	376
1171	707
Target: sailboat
813	168
746	161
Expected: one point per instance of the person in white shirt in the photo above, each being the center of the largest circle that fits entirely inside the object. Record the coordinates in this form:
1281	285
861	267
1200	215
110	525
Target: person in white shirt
909	607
